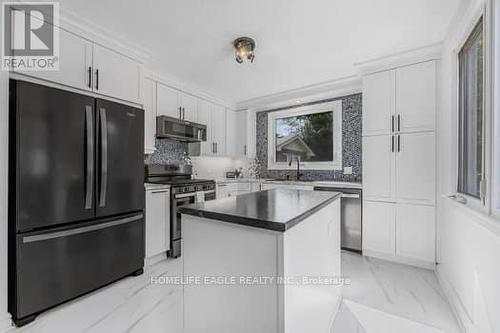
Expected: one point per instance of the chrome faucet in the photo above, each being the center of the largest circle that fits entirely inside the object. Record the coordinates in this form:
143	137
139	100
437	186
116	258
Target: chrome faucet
298	167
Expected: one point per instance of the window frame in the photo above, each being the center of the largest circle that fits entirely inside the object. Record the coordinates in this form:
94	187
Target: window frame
476	203
335	107
483	10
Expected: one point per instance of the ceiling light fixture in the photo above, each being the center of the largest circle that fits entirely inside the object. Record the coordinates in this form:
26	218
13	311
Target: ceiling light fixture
245	47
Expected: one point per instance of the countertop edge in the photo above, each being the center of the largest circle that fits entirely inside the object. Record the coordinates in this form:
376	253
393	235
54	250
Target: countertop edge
256	223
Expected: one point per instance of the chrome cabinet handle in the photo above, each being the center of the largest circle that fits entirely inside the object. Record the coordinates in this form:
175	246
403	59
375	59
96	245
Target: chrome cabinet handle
392	123
90	157
97	79
399	143
180	113
399	123
104	157
183	113
89	70
392	143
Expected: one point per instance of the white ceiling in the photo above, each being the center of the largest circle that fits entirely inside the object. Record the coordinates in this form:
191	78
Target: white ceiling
299	42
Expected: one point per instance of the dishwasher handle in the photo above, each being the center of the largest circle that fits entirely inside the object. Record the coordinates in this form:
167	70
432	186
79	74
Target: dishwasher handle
351	196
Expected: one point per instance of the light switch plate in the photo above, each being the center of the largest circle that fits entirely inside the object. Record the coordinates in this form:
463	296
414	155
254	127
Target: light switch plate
348	171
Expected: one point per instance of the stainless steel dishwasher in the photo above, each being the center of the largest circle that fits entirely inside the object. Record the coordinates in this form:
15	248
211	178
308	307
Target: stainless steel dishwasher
351	217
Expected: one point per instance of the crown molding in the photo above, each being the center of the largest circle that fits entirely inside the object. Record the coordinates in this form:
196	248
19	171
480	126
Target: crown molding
78	25
325	90
399	59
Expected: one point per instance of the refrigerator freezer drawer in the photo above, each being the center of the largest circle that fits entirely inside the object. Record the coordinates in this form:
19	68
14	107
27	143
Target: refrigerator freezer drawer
58	265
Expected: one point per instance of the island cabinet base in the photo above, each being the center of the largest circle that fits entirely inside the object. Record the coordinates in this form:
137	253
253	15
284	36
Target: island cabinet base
247	279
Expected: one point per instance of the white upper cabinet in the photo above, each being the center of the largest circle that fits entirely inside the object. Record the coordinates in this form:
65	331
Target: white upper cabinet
416	168
219	129
400	100
88	66
115	75
379	167
177	104
205	117
416	97
75	63
189	106
379	103
168	102
149	105
236	133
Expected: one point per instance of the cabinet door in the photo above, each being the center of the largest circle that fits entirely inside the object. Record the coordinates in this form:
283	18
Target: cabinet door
157	222
241	134
75	61
379	164
416	232
416	97
115	75
379	102
168	103
379	227
189	106
219	129
416	168
205	118
222	191
149	104
231	133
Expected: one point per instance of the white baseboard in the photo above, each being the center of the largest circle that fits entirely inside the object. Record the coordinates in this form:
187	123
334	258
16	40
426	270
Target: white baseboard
463	319
5	323
400	260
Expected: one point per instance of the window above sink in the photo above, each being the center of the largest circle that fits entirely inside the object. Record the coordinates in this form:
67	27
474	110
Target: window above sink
311	134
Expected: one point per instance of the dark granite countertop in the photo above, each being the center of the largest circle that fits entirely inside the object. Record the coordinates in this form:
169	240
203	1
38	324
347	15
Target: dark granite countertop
277	209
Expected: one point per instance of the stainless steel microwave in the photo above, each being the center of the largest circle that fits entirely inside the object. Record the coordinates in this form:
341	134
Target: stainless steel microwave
181	130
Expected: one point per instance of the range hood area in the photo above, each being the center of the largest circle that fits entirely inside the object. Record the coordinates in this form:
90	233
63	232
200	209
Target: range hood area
180	130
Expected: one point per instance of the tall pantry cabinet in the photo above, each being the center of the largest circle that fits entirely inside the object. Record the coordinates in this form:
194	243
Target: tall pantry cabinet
399	163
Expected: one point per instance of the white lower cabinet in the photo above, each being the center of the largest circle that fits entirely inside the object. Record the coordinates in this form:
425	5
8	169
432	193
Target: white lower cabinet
379	228
416	232
157	221
405	232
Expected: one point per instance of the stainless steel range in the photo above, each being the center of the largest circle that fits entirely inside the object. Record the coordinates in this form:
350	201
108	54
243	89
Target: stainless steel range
184	191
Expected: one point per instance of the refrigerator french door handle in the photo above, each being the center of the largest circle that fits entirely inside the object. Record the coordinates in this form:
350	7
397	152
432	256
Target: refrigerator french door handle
104	157
90	157
399	143
81	230
392	143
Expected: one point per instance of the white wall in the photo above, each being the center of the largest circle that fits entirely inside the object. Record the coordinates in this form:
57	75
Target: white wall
4	113
469	242
216	167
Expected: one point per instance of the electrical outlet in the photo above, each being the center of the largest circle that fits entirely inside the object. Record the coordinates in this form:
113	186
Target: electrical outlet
347	170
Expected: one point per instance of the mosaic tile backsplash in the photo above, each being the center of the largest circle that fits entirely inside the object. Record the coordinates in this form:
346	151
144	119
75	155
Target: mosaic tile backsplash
351	145
167	152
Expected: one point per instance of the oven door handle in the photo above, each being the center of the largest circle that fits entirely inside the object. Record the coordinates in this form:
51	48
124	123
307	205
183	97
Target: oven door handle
185	195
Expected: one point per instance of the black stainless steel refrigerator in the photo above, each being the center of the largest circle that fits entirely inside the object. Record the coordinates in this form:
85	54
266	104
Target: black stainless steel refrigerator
76	196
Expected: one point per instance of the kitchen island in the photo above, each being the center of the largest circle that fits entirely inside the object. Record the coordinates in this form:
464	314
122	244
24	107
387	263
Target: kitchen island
265	262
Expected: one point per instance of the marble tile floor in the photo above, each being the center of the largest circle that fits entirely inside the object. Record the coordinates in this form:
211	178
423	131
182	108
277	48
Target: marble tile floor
133	304
398	297
381	297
